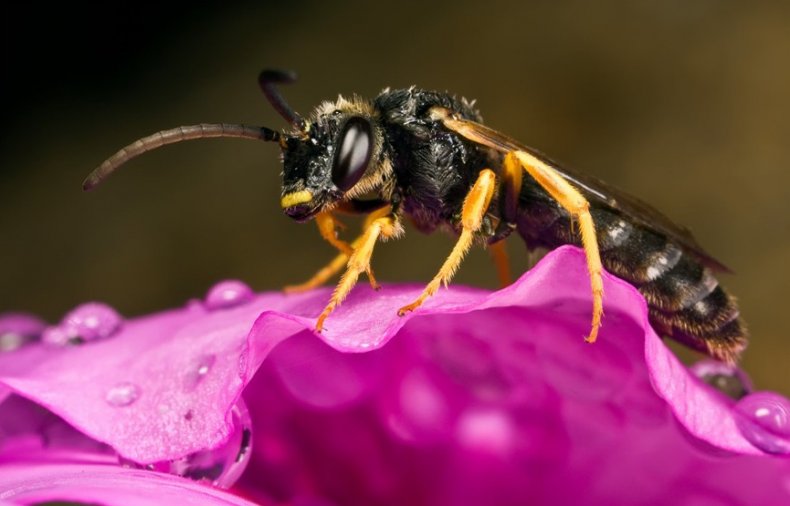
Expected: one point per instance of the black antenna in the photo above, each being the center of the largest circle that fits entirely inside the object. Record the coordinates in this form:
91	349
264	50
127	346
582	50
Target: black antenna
178	134
268	81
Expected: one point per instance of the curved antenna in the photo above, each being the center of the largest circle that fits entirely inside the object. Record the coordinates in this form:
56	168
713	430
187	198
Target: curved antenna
178	134
268	81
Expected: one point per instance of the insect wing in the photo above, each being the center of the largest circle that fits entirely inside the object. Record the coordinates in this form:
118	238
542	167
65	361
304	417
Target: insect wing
595	190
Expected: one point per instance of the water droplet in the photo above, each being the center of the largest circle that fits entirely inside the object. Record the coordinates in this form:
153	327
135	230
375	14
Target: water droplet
727	379
227	294
122	394
195	306
198	371
87	322
764	419
488	431
19	329
221	466
55	335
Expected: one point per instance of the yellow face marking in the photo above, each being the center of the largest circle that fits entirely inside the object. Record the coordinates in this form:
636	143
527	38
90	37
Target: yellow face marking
296	198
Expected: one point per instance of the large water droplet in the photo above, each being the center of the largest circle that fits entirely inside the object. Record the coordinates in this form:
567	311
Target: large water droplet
87	322
764	419
122	394
198	371
727	379
18	329
223	465
227	294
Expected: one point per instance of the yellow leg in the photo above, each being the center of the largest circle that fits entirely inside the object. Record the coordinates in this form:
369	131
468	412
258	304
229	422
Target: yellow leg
325	274
510	187
474	209
551	181
327	227
499	255
359	262
578	207
511	182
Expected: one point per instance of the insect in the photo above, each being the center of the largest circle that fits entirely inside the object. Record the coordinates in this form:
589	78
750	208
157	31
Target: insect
427	156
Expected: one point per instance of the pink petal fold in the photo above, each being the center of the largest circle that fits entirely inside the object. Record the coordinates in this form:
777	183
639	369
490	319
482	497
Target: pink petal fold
75	382
106	485
475	398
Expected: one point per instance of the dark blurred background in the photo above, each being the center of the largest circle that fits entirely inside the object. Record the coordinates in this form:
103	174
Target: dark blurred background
685	104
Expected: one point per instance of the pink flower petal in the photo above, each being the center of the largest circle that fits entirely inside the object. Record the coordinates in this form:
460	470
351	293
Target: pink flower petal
104	484
477	397
135	391
30	433
489	407
114	391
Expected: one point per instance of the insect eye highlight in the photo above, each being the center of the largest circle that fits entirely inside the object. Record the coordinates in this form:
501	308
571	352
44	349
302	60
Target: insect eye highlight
353	157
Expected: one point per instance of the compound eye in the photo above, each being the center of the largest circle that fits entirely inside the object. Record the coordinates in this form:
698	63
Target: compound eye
351	160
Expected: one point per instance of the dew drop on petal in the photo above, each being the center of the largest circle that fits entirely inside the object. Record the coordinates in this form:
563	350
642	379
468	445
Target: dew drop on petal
19	329
56	335
227	294
93	320
764	419
194	306
728	379
198	371
10	341
88	322
123	394
221	466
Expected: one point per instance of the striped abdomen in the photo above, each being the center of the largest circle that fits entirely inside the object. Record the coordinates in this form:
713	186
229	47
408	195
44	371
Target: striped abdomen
685	300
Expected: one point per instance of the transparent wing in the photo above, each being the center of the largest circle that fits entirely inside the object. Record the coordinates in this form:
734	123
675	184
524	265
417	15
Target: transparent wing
596	191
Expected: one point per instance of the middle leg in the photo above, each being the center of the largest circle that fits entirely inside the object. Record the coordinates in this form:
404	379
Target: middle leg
327	226
359	261
509	191
474	209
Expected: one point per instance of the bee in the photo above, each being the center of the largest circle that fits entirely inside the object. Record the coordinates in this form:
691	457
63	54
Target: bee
427	156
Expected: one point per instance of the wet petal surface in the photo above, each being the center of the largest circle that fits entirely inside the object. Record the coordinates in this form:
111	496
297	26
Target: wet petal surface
103	484
475	398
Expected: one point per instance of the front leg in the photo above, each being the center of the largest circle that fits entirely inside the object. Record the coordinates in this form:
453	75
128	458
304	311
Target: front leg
474	209
326	273
359	261
327	227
